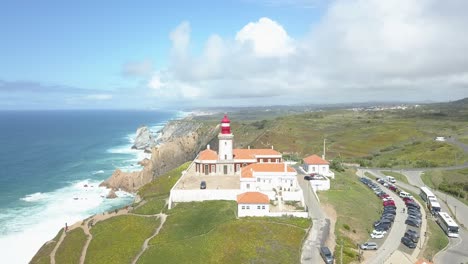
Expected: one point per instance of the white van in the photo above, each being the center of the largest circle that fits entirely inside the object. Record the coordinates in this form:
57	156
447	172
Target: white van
405	194
391	179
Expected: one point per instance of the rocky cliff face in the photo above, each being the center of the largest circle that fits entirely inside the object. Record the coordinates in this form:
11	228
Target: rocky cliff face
144	139
179	142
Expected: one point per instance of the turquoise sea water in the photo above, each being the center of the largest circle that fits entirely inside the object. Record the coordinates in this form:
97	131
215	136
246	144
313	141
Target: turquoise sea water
46	160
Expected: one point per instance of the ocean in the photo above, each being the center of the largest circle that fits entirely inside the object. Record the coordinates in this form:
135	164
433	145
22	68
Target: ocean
51	163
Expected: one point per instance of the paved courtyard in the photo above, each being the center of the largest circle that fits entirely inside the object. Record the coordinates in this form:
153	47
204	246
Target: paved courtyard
191	181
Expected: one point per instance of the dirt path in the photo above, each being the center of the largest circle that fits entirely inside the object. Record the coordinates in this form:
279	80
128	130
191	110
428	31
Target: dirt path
52	254
145	244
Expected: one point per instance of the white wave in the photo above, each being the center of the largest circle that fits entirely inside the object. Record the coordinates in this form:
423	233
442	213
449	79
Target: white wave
97	172
34	197
26	229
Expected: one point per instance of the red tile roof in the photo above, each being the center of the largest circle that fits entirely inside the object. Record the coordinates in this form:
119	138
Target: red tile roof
247	171
252	153
315	160
252	198
208	154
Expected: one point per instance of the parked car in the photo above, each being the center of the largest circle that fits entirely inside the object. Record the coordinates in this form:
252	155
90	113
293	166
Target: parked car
407	199
307	178
407	242
388	203
383	227
388	198
390	217
405	194
415	218
382	221
412	222
203	185
413	204
392	187
326	255
379	232
369	245
412	235
377	236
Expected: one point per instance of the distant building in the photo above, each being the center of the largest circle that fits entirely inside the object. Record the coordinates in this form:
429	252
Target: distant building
253	204
317	165
268	176
441	139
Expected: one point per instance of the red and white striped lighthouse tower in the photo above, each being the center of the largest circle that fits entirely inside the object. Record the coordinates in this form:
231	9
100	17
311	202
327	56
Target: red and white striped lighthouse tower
225	140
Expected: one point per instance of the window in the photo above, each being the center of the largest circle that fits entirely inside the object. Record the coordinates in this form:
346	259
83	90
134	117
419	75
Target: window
263	207
225	157
213	168
258	179
248	207
243	207
248	187
225	169
258	206
225	143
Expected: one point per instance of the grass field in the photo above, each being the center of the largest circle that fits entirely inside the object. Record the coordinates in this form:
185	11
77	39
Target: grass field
119	239
208	232
398	176
43	255
162	185
374	139
356	206
70	249
437	240
152	206
453	182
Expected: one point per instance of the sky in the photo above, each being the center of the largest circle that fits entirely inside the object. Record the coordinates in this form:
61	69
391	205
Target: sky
183	54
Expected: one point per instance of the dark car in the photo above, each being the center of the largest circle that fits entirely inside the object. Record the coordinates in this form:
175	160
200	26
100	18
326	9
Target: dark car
390	210
412	222
383	227
407	242
390	217
203	185
326	255
382	221
413	204
307	178
412	235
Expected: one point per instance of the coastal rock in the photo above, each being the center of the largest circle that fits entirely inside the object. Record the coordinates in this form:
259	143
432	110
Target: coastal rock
144	139
130	181
179	142
111	195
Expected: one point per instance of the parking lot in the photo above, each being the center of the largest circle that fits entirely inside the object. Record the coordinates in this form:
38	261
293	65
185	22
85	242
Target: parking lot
396	229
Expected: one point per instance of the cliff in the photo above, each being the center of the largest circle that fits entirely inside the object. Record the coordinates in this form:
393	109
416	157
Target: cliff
179	142
144	139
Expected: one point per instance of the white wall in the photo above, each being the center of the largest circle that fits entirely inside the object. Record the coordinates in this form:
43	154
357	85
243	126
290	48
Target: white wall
320	185
319	169
295	214
252	210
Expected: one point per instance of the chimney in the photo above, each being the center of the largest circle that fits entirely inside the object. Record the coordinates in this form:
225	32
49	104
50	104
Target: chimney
208	146
248	147
271	146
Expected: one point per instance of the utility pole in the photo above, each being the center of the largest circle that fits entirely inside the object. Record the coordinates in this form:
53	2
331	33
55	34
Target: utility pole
324	140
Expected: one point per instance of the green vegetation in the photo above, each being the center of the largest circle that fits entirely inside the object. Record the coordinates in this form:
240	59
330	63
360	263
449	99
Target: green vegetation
162	185
151	206
208	232
437	240
398	176
397	139
70	249
119	239
43	255
357	207
453	182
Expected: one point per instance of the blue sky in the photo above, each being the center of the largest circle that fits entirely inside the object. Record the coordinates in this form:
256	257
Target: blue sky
150	54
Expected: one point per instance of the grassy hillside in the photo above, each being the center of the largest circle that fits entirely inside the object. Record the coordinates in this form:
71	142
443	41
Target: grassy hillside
380	139
208	232
70	249
454	182
43	255
119	239
356	206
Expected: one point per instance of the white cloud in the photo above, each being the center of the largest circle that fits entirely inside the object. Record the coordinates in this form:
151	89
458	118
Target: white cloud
99	97
138	68
359	51
267	37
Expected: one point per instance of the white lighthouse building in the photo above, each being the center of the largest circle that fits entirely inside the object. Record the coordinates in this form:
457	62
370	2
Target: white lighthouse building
228	160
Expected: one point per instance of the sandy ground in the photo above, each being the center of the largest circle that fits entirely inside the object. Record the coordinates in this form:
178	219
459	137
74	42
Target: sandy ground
331	214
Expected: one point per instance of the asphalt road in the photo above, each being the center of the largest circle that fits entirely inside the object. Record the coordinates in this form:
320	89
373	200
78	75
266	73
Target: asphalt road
457	250
320	224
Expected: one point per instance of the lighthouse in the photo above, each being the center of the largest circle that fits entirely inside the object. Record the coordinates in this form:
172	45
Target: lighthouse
225	140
